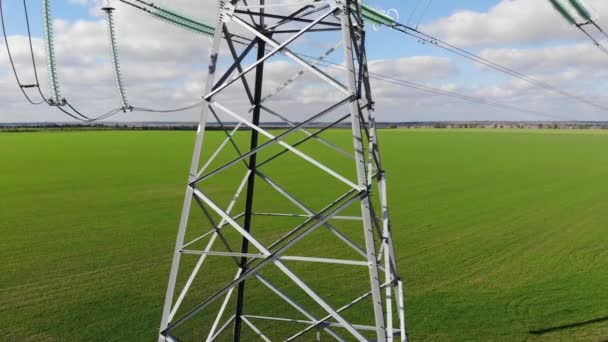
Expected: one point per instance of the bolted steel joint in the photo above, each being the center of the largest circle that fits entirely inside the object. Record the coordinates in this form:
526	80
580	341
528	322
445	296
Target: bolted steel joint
225	11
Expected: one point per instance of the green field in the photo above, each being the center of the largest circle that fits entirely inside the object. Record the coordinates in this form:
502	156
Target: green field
501	235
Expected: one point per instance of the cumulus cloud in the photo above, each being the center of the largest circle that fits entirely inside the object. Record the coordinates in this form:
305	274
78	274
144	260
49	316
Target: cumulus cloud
584	57
164	67
508	22
418	68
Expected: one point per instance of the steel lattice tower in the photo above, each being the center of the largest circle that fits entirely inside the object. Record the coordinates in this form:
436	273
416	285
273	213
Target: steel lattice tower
262	278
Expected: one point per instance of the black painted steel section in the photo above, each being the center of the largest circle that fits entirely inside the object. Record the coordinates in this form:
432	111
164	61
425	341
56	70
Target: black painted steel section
259	79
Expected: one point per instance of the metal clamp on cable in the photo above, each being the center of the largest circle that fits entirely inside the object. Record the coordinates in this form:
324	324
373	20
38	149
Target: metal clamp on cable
57	102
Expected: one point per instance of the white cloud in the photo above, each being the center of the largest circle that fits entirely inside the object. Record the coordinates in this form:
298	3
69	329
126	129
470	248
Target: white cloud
509	22
415	68
164	67
583	57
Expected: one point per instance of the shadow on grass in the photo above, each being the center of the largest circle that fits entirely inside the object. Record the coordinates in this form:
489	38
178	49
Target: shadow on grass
568	326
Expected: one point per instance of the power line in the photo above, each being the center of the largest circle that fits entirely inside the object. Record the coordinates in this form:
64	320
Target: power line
460	96
409	19
182	109
377	17
22	86
72	111
405	29
446	46
437	91
597	26
493	65
595	41
423	13
36	85
399	27
584	13
420	87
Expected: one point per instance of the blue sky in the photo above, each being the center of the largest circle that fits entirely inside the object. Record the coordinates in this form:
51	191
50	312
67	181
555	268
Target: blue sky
420	11
61	9
436	9
68	10
517	33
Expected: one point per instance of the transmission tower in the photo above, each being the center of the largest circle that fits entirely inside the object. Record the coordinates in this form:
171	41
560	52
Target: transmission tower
301	248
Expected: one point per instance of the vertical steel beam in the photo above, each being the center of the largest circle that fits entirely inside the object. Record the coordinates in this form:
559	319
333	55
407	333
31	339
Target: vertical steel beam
196	155
392	276
361	172
257	97
374	160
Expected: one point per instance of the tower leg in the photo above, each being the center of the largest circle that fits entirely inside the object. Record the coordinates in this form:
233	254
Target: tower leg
395	290
366	211
198	146
259	79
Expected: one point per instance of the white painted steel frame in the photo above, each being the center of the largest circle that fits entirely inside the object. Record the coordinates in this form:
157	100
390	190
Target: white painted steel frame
367	170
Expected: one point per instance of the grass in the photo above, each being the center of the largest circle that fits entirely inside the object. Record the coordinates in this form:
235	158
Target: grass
501	235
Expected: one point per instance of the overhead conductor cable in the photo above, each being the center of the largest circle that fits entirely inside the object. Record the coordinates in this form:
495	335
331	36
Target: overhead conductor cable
56	99
374	16
370	15
584	13
22	86
583	10
185	22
